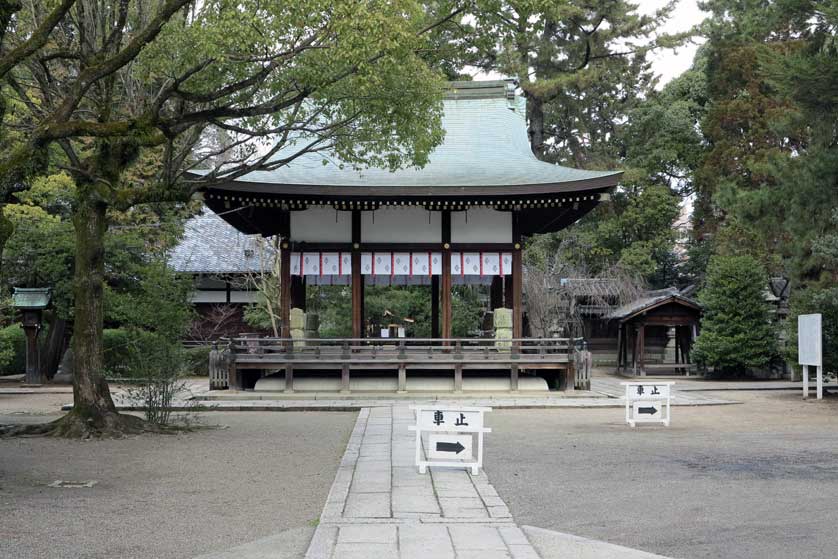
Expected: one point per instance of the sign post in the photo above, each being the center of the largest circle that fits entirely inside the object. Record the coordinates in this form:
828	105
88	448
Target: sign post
451	432
645	402
810	350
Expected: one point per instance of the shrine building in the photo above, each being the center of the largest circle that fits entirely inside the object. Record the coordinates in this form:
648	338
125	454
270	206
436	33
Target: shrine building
461	219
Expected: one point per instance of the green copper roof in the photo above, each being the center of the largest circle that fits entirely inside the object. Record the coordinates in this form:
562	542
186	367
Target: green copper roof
485	145
31	298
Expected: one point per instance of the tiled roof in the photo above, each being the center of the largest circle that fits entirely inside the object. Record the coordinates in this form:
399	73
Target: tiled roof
650	299
211	245
485	145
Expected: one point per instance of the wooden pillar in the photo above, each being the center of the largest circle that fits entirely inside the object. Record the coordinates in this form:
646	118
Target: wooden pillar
357	296
619	347
517	295
517	281
496	293
434	306
634	339
513	378
357	278
32	374
402	378
445	287
642	349
344	378
285	289
289	378
677	345
458	377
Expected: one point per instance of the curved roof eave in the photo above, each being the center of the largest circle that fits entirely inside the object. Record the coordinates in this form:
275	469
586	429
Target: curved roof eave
595	183
485	151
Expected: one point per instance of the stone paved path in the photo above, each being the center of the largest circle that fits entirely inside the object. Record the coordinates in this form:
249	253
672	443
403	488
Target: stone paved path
380	507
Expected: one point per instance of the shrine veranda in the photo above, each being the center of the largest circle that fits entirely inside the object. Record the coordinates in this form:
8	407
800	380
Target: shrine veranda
461	219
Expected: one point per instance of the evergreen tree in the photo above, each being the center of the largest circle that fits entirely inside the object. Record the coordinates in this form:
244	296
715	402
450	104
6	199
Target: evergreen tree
736	333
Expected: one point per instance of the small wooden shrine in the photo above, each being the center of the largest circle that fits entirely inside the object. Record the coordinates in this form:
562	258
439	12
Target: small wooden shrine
670	317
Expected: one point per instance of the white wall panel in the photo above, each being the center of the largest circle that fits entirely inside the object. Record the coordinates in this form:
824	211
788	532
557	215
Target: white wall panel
401	225
481	225
321	225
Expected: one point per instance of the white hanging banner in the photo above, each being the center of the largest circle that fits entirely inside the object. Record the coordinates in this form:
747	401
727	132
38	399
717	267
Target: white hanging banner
421	262
491	263
401	263
311	263
321	264
412	264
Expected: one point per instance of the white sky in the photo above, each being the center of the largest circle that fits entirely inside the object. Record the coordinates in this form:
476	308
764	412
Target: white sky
669	63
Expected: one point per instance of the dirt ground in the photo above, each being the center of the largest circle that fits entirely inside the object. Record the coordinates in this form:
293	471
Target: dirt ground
754	480
164	496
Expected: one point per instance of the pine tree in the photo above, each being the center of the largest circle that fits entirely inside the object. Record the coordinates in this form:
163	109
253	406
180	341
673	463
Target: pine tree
736	333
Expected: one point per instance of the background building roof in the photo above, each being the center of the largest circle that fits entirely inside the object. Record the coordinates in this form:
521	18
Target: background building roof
210	245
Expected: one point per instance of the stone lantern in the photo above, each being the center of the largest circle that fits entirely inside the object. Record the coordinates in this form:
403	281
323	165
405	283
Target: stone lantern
31	303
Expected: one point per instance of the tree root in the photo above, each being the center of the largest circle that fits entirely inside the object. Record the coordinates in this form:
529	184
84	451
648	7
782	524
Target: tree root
104	425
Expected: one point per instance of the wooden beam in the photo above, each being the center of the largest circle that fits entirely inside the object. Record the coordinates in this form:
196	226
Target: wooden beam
301	246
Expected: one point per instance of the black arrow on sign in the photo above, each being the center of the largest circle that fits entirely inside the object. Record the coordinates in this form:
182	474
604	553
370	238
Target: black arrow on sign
650	411
450	447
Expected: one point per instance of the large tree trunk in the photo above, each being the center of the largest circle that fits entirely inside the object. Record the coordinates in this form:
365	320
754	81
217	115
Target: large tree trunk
535	116
91	396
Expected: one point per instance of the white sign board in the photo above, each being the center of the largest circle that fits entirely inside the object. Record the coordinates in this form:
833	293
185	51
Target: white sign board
450	436
439	419
648	402
809	340
810	350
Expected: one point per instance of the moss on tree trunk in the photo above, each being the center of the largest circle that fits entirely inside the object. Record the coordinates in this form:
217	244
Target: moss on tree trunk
91	396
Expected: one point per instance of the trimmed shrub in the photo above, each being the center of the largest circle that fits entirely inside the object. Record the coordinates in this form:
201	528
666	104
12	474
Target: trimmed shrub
197	361
736	336
124	348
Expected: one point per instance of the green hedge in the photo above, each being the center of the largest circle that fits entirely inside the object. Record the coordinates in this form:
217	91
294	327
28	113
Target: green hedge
12	350
120	348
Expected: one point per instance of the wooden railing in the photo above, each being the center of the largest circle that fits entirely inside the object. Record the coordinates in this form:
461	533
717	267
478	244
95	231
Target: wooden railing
244	353
366	348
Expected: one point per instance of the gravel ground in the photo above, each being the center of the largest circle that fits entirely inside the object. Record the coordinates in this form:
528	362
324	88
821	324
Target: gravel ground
756	480
166	496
